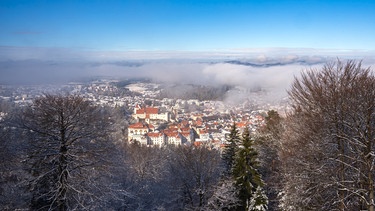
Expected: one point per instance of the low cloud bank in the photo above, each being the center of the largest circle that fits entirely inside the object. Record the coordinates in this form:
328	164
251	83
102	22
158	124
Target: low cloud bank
268	71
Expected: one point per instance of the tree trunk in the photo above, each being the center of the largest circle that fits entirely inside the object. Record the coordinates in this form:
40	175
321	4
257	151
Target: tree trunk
62	169
371	206
63	180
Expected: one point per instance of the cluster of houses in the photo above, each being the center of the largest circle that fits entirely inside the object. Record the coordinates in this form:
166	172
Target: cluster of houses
165	121
145	132
156	128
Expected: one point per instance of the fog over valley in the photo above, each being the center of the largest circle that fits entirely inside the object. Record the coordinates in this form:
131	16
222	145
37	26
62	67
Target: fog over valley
267	70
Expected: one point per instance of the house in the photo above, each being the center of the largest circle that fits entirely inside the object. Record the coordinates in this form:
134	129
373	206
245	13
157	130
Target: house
173	138
149	113
138	132
157	138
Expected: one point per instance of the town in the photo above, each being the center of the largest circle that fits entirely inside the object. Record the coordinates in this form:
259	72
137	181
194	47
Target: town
155	121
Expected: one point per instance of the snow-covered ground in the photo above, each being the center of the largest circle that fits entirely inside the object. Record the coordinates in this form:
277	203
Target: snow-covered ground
138	87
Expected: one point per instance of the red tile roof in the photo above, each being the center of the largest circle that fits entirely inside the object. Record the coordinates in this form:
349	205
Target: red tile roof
140	125
147	111
140	111
197	143
155	134
152	110
172	134
241	124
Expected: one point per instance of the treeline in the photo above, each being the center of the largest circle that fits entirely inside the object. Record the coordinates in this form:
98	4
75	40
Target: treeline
63	153
190	91
126	82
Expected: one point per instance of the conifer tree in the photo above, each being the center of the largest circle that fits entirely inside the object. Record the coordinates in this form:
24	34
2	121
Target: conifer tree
247	178
230	149
259	200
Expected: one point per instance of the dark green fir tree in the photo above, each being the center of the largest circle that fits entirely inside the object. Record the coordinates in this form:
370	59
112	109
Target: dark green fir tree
230	149
248	180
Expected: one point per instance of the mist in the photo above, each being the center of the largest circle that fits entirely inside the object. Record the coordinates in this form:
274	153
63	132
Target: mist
270	72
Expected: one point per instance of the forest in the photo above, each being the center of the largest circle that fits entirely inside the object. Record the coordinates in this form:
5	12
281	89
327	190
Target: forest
191	91
64	153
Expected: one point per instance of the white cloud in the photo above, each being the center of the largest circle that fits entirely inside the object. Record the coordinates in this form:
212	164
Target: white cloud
271	69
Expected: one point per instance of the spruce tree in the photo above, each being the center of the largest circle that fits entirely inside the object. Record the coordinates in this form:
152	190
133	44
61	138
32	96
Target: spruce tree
259	200
230	149
247	178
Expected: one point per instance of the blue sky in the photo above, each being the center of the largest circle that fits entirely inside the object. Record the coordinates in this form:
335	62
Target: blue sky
188	25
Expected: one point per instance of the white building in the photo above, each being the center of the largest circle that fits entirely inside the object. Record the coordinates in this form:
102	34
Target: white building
150	113
156	138
138	132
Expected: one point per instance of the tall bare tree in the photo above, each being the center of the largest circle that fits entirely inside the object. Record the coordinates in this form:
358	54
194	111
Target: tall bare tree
194	173
68	138
146	176
329	149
